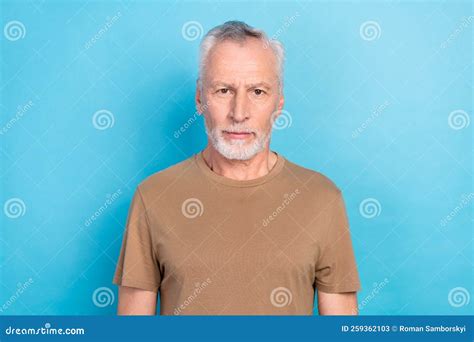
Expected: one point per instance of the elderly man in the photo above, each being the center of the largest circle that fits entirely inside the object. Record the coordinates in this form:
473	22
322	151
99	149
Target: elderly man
237	229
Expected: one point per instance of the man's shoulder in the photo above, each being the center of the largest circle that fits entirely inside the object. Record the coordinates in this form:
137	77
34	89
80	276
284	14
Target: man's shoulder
311	179
166	177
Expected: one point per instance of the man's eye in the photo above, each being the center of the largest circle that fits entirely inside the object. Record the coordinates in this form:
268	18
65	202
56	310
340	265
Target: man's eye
223	91
259	92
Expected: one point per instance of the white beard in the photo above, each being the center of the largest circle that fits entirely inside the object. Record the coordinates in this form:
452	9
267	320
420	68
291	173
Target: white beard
237	149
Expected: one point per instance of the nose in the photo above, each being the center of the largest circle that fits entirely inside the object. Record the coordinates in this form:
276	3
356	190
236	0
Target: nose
239	111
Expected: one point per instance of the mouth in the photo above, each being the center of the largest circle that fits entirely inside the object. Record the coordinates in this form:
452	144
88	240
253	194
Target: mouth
237	134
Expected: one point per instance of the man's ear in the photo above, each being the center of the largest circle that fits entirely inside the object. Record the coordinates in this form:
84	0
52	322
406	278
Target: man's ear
281	102
277	112
198	98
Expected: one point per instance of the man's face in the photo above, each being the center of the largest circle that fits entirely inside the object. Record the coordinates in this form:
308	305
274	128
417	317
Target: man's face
240	97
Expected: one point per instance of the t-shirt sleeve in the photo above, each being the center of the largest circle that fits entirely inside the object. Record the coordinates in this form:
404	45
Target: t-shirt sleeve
137	265
336	269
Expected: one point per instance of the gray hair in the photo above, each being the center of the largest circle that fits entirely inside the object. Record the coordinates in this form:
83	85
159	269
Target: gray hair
239	31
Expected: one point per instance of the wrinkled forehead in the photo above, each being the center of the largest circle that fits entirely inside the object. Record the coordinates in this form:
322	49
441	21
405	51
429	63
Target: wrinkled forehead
241	62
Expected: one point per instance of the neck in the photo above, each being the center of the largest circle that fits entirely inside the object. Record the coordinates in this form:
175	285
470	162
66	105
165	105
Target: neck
258	166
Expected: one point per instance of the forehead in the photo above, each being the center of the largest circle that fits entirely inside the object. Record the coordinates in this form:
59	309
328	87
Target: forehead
249	60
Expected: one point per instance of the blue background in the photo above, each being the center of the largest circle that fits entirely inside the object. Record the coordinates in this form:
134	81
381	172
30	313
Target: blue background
408	157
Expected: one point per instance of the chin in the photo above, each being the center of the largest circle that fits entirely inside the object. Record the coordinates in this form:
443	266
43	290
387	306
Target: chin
244	150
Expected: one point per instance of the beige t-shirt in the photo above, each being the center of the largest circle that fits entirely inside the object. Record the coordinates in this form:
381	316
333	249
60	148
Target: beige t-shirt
212	245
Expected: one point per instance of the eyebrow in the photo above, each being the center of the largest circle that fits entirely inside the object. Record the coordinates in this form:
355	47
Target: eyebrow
252	85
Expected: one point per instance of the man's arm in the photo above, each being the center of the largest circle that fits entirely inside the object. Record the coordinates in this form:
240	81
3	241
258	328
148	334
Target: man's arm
337	303
134	301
